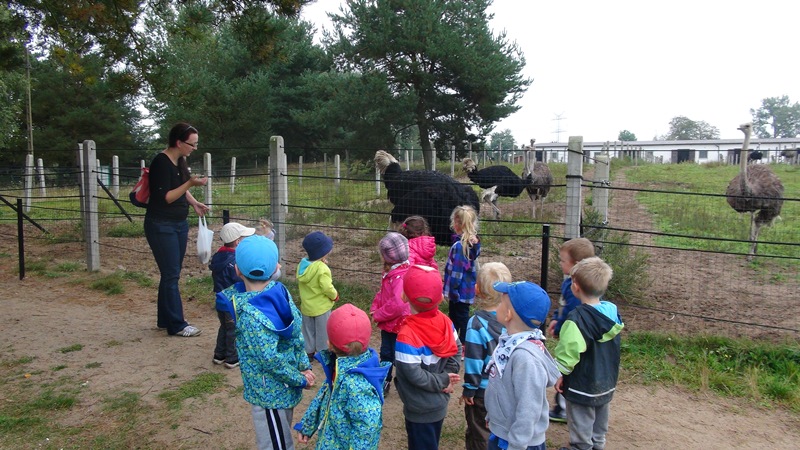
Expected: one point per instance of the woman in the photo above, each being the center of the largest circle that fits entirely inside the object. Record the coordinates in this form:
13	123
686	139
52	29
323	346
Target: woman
165	223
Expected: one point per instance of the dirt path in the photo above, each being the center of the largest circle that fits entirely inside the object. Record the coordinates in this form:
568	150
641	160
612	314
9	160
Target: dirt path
128	353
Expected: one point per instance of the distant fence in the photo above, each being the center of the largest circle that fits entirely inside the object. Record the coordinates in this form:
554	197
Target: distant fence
694	281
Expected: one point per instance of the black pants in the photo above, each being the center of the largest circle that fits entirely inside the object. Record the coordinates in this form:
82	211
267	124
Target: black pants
459	314
226	338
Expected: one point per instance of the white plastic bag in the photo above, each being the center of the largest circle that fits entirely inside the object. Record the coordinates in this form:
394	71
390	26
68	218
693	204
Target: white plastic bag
204	239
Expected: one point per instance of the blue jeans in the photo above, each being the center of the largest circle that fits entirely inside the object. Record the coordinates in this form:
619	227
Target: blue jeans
459	314
388	342
167	240
423	436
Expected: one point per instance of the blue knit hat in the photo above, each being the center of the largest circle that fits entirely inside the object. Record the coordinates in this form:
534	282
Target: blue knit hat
530	301
317	245
257	257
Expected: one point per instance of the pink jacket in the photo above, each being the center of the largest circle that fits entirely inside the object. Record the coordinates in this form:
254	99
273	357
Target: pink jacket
421	250
388	308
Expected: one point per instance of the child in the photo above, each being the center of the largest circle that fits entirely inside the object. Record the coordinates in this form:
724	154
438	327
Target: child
571	252
317	293
275	369
347	409
483	331
266	229
425	359
520	371
223	272
461	270
588	354
421	245
388	309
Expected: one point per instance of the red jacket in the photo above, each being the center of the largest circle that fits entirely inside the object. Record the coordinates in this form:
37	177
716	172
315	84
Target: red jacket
388	308
422	250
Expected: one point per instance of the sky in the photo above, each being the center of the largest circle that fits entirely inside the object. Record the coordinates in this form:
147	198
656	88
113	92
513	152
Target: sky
613	65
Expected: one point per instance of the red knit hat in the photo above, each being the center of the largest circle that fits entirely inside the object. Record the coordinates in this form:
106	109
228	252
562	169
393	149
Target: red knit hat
423	282
348	324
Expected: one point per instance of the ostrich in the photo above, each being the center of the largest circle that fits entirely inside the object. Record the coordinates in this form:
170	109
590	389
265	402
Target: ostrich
497	181
427	193
754	156
542	179
756	190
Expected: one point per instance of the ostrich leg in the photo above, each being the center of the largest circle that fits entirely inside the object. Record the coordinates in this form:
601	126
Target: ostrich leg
755	229
493	204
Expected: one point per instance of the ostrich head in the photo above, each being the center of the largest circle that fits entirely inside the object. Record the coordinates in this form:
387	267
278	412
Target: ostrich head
469	165
746	128
383	159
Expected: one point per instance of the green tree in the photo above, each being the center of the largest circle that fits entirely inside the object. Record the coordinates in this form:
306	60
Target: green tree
73	99
438	55
682	128
626	136
777	117
237	89
502	140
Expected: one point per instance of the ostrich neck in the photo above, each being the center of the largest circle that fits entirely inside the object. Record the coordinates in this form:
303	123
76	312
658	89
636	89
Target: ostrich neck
743	164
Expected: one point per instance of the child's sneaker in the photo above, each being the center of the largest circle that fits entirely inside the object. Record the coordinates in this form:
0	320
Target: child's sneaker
386	386
557	414
218	361
231	365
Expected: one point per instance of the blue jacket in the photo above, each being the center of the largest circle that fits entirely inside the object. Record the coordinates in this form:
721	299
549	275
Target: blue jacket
347	409
269	343
568	303
223	269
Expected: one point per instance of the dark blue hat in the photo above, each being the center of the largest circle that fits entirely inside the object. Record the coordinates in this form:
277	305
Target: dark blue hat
530	301
317	245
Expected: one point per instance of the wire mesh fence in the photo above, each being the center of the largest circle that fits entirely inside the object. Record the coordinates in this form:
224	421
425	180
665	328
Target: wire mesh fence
680	256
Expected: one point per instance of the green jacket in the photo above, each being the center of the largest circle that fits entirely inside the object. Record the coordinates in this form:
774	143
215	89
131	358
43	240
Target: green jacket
317	293
588	353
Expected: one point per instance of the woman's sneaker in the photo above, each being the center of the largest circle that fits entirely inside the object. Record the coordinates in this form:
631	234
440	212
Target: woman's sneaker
189	331
232	365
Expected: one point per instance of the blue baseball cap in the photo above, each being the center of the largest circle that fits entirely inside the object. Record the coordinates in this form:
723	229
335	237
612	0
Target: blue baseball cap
257	257
530	301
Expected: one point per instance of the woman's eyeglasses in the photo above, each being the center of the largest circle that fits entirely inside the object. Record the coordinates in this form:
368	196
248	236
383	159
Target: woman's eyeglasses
190	144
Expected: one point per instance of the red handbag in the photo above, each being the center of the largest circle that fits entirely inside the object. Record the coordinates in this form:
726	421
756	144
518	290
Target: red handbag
140	195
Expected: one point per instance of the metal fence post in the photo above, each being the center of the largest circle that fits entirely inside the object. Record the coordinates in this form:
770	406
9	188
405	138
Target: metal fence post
545	255
572	228
20	239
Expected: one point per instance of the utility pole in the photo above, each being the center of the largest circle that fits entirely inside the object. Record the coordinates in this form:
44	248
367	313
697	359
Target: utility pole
559	130
30	113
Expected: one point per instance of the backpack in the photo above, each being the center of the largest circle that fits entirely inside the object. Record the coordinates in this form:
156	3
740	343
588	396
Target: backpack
140	195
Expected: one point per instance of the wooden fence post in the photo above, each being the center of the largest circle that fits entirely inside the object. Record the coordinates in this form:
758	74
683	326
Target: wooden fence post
207	172
115	175
91	233
28	181
602	171
40	172
300	171
277	186
572	227
233	174
337	169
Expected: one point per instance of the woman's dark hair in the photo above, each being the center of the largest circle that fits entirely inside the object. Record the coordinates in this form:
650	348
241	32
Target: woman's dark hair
180	132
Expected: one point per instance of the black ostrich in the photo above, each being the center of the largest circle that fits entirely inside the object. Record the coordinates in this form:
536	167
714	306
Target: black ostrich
497	181
754	156
542	180
757	190
426	193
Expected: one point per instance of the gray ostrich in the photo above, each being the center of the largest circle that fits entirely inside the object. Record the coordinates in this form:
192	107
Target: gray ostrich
541	179
757	190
